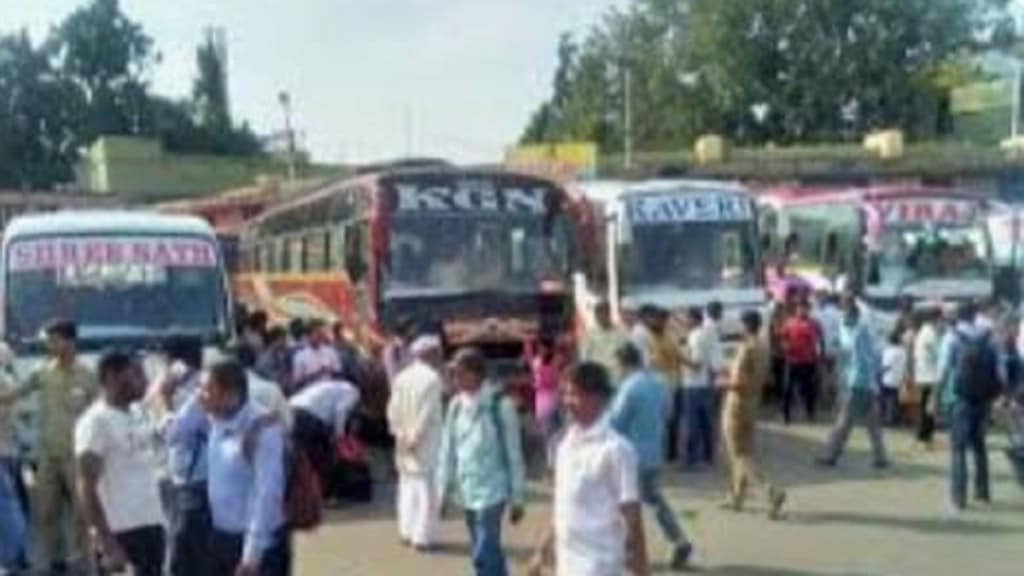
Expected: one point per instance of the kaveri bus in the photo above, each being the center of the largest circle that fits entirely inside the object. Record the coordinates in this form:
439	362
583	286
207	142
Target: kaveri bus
676	244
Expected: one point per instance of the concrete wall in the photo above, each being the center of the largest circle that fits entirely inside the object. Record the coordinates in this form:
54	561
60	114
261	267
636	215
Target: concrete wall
142	169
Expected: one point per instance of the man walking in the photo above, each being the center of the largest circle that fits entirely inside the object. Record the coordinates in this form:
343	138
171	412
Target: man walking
416	418
636	413
65	388
246	480
750	373
482	458
596	523
860	393
117	480
969	380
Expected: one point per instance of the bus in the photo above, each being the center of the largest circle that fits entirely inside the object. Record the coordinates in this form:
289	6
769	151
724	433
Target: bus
131	280
888	245
677	244
485	256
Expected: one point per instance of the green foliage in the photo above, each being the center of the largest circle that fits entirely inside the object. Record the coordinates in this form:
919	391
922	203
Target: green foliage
91	78
761	71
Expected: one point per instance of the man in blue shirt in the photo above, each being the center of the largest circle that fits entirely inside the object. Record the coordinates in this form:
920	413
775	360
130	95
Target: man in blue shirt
246	484
481	462
637	413
185	433
859	383
968	419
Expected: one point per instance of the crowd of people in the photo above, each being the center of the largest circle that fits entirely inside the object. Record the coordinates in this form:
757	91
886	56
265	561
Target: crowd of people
209	468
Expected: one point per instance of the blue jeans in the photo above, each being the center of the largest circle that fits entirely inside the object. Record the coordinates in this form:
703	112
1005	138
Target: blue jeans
650	491
968	425
13	525
485	537
699	422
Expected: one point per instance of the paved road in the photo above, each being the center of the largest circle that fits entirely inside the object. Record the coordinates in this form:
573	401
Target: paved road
851	521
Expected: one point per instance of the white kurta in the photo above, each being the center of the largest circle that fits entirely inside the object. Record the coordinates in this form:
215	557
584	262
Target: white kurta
415	414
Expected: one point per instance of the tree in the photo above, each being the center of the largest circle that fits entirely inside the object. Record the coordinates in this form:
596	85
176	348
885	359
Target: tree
107	57
36	143
210	90
771	70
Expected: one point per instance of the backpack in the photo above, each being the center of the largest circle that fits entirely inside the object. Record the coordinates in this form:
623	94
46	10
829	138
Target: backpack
976	370
303	495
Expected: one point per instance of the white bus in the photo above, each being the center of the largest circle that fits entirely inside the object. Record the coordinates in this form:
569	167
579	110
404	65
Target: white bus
130	280
677	244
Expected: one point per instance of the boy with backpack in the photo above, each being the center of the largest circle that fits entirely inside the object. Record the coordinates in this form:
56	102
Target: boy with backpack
970	380
482	460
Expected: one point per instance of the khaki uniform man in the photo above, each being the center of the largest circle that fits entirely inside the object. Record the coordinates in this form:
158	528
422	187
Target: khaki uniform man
65	388
750	373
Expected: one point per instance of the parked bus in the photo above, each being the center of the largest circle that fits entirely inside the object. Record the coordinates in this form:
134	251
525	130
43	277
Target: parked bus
486	256
131	280
677	244
887	245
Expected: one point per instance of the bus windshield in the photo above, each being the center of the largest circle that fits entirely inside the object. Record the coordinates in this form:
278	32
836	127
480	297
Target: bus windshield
690	256
948	252
443	254
114	288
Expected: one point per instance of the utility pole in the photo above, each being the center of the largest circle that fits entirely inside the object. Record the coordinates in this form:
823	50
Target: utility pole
286	106
408	131
627	115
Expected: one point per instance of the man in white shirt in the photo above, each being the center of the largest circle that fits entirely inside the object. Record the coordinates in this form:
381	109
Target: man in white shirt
317	360
926	370
597	523
415	415
319	415
703	360
117	480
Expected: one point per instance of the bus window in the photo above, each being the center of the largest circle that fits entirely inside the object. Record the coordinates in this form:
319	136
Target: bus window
283	261
315	246
336	249
355	251
296	258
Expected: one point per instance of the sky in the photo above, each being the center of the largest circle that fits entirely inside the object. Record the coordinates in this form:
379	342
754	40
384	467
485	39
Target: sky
369	79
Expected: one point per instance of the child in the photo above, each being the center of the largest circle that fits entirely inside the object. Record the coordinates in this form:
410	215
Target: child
894	373
544	371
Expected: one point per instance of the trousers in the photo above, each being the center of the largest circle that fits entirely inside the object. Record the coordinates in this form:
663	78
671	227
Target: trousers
190	530
650	489
738	432
968	428
485	537
56	514
13	524
418	509
225	553
858	405
698	420
144	549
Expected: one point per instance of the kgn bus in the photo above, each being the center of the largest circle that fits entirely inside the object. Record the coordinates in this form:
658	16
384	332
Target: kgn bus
677	244
484	256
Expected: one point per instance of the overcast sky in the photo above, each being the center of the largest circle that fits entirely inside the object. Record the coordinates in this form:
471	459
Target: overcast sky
369	79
